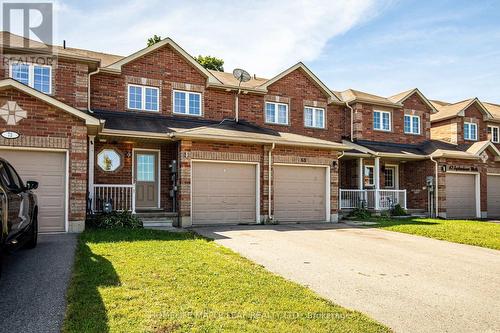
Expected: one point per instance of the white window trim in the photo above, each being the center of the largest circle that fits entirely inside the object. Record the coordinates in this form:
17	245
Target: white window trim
31	74
275	122
498	133
382	121
314	111
395	179
470	131
186	102
143	98
365	175
411	124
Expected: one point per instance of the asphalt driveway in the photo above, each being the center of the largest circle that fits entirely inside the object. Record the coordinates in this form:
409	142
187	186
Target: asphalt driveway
33	285
409	283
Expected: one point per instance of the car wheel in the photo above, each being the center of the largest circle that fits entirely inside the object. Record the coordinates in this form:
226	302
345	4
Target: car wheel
33	233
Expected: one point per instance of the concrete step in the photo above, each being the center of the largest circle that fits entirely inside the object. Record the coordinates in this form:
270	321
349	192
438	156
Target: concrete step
157	224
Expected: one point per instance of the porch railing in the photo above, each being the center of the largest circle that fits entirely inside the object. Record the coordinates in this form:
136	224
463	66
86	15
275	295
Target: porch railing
121	197
372	199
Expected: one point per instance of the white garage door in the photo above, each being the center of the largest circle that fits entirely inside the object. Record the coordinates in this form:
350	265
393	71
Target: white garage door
494	196
49	170
460	196
299	193
223	193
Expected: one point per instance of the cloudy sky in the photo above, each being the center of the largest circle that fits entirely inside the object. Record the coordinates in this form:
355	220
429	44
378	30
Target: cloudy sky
450	49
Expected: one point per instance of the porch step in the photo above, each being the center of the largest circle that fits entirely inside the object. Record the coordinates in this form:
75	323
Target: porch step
157	219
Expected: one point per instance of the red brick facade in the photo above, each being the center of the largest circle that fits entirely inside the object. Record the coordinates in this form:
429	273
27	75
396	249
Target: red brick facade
49	128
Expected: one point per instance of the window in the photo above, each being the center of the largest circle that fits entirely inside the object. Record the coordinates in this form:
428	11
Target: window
143	98
314	117
389	177
145	167
108	160
188	103
382	120
276	113
10	178
369	175
494	134
35	76
412	124
470	131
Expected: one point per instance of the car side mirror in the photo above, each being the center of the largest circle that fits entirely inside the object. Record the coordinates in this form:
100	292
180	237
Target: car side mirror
31	185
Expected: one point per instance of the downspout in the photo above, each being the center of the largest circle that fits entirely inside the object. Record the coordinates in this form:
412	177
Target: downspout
88	88
352	120
269	210
437	185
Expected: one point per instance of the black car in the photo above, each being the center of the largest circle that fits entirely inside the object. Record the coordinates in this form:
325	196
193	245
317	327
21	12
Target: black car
18	211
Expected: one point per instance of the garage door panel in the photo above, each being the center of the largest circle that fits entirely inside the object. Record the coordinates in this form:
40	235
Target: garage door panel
460	196
223	193
494	196
49	170
299	193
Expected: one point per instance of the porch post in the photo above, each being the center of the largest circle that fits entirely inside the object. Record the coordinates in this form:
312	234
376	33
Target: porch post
360	173
376	180
91	171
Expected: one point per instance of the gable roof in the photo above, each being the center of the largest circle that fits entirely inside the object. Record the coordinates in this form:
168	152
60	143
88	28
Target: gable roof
167	41
477	148
331	96
493	109
403	96
11	83
448	111
351	95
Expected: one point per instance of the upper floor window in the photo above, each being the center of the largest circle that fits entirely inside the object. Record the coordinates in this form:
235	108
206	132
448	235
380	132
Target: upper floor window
314	117
382	120
412	124
143	98
494	133
470	131
276	113
188	103
33	75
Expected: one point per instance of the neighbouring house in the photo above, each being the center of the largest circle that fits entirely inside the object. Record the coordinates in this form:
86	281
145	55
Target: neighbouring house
156	133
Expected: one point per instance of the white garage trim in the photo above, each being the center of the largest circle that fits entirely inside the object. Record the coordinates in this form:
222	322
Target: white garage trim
257	183
159	170
327	184
477	182
66	188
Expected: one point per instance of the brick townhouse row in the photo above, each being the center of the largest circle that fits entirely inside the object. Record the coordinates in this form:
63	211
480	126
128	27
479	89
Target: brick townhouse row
156	132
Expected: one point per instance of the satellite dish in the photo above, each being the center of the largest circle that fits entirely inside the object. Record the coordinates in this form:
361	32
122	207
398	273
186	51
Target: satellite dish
241	75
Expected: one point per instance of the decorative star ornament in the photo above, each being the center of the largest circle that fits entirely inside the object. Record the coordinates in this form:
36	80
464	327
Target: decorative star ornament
484	157
12	113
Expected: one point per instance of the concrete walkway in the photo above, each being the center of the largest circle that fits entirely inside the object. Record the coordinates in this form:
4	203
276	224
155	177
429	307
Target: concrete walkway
33	285
409	283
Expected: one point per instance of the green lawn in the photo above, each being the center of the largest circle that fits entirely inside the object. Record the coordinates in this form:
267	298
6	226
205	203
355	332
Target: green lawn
154	281
479	233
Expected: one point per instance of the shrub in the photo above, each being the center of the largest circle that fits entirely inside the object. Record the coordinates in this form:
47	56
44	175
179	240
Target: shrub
114	220
360	213
398	211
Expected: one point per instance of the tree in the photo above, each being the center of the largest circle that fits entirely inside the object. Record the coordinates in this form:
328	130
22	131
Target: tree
153	40
210	62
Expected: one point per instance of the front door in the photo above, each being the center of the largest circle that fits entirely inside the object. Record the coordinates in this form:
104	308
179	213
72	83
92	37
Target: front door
146	179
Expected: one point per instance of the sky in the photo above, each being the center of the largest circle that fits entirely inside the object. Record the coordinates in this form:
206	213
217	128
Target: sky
449	49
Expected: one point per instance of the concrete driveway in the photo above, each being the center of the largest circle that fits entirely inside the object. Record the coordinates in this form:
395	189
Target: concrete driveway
409	283
33	285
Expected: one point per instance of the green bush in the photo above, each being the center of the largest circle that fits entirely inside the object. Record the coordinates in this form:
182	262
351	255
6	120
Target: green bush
360	213
114	220
398	211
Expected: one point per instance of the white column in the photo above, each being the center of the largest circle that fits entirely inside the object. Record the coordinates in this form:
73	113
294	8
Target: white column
91	170
361	173
376	179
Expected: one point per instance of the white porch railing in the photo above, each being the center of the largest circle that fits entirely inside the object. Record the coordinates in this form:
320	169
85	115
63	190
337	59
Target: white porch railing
121	197
372	199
